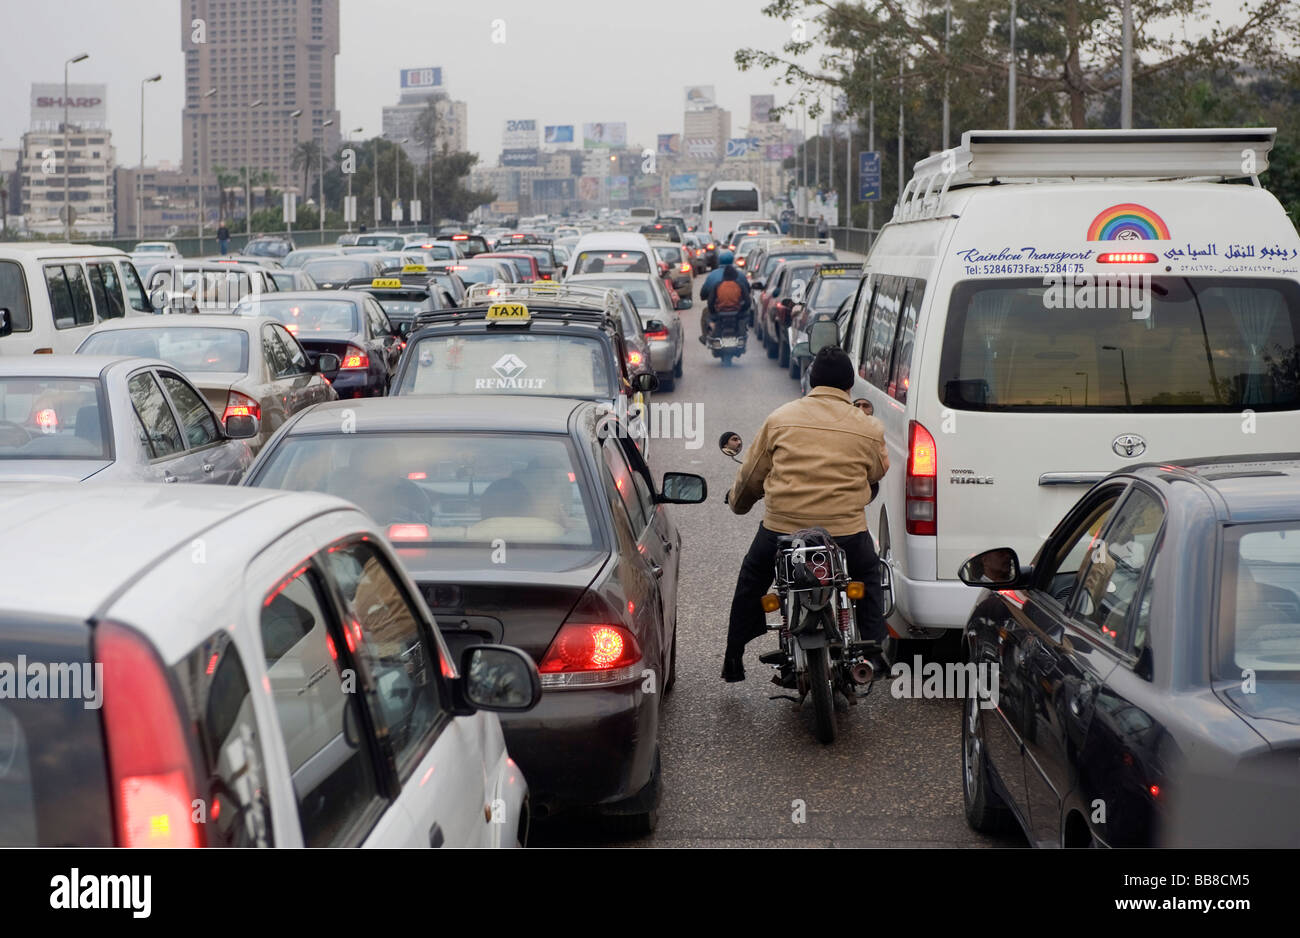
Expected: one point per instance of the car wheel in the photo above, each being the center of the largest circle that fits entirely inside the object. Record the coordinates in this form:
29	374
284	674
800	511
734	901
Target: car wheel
667	380
677	369
771	344
672	664
783	356
986	812
796	369
642	823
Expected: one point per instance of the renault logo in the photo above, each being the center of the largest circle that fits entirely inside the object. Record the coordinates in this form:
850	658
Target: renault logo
1129	445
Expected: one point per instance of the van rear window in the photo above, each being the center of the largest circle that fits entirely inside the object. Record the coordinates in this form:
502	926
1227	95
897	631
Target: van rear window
1159	344
13	296
734	200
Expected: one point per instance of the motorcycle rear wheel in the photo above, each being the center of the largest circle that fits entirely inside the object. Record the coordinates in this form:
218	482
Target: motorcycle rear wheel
823	694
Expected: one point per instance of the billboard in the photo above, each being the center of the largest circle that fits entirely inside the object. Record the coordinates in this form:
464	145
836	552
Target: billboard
670	144
604	135
780	151
618	189
553	189
86	106
702	147
681	183
519	135
589	188
699	97
519	157
760	108
559	133
422	78
742	146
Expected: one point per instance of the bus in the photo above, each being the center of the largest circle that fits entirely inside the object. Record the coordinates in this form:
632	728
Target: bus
644	211
727	203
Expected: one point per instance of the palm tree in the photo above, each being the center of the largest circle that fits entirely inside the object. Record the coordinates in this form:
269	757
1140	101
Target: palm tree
306	156
226	179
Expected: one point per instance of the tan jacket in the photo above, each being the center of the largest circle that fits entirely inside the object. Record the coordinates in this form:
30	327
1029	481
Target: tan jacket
813	464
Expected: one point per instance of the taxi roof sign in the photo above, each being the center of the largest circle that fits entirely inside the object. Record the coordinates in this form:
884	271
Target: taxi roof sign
508	312
386	283
414	269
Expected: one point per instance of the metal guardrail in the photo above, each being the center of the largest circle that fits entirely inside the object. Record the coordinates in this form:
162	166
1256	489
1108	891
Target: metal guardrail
853	240
303	238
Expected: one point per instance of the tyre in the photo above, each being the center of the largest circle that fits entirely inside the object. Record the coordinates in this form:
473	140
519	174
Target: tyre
823	694
677	369
772	345
667	380
672	664
986	812
783	356
642	823
796	369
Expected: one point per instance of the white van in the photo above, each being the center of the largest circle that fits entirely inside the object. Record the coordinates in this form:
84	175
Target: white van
727	203
1046	307
52	294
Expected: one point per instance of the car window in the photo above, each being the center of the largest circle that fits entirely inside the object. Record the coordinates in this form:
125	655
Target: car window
379	324
236	809
107	290
135	294
159	432
69	296
196	417
13	296
1113	569
51	418
386	640
277	358
1259	608
1070	552
299	364
900	376
624	483
1142	620
549	364
315	690
192	350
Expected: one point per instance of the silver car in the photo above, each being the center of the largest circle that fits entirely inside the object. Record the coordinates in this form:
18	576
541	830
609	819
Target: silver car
242	365
661	322
76	418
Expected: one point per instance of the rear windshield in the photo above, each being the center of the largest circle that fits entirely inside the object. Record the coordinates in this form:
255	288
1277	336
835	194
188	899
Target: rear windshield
336	269
640	290
406	305
669	255
219	287
1259	617
733	200
612	262
1176	344
551	364
52	418
304	316
213	350
437	488
830	293
474	273
387	243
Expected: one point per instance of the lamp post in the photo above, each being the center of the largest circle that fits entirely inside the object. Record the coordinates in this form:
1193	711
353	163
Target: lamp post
320	177
349	175
1126	68
397	179
1123	372
1084	375
294	115
67	162
248	187
203	156
1011	74
139	190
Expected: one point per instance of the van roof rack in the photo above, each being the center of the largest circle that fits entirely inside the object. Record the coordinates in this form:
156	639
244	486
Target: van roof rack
985	157
603	299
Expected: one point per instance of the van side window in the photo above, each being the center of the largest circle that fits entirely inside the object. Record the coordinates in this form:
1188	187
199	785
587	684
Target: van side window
135	294
878	348
107	290
13	296
69	296
901	377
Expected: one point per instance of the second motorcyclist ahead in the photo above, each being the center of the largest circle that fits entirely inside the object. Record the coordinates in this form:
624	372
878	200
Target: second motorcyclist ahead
724	288
813	463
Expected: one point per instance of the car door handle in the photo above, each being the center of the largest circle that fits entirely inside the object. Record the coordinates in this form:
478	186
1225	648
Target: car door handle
435	835
168	477
1079	699
657	570
208	467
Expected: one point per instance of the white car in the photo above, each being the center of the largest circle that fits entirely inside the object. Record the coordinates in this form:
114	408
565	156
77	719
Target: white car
270	677
1047	307
155	250
660	321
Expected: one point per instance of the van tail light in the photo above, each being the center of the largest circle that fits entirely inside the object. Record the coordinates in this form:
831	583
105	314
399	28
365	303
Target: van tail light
241	405
922	476
149	759
355	359
591	649
1127	257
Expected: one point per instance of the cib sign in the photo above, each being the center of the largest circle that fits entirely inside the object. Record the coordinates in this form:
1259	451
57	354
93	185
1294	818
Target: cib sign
85	103
421	78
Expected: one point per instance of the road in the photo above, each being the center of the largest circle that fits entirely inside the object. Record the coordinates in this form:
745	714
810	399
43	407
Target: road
743	770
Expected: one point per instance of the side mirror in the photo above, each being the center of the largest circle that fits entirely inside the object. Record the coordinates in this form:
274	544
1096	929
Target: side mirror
731	444
645	381
242	426
500	678
6	323
655	325
787	304
822	332
683	303
327	362
998	568
757	285
682	488
801	350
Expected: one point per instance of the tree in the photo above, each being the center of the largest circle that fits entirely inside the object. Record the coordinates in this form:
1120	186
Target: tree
306	157
227	179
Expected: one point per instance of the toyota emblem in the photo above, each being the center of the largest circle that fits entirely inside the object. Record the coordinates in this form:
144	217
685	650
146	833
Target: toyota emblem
1129	445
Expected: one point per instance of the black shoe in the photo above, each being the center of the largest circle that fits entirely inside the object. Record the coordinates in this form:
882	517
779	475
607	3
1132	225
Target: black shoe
733	669
704	340
879	665
773	657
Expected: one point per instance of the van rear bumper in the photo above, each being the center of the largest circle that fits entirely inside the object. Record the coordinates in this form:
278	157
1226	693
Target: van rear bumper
931	604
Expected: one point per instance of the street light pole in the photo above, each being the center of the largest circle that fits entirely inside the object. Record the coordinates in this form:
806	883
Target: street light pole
320	177
203	158
67	162
349	175
1126	69
248	187
139	191
294	114
1011	74
1085	386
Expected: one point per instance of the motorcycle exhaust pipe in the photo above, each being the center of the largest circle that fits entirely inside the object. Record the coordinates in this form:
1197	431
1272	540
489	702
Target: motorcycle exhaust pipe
863	673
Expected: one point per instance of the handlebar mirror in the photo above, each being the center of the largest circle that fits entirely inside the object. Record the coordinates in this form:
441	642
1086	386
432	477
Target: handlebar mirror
731	444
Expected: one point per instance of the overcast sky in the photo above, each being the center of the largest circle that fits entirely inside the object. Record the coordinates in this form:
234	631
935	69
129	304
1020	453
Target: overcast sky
563	61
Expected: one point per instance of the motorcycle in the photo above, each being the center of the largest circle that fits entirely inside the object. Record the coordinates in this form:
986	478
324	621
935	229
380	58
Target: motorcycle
728	337
820	652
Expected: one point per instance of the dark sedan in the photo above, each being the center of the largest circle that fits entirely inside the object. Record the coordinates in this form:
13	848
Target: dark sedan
536	524
1143	674
349	324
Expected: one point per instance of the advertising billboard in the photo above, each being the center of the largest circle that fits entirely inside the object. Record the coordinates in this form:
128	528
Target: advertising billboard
618	189
589	188
699	97
559	133
670	144
742	146
604	135
760	107
553	189
86	106
422	78
520	157
519	135
780	151
681	183
706	147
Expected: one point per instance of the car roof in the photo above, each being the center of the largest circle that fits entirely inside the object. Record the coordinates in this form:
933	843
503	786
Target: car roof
441	412
356	296
112	535
63	366
184	321
58	249
613	241
1260	487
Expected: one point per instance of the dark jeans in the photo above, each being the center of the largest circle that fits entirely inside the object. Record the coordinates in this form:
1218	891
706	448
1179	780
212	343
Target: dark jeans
748	621
224	244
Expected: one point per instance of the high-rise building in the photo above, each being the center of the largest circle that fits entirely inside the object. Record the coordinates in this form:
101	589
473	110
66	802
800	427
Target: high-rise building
420	89
705	133
277	52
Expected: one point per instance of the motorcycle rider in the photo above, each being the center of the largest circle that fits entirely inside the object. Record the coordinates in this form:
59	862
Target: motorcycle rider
813	463
726	270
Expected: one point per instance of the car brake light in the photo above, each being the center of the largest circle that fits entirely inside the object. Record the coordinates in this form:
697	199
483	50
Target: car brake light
408	532
355	358
663	334
241	405
152	772
591	648
685	268
1127	257
634	357
922	474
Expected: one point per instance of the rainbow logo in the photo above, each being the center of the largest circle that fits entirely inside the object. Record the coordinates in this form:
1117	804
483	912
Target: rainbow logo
1128	222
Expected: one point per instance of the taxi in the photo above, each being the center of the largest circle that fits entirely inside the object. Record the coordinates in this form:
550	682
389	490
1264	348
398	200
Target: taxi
406	295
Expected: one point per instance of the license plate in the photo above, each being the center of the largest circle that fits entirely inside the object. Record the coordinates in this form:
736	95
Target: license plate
729	342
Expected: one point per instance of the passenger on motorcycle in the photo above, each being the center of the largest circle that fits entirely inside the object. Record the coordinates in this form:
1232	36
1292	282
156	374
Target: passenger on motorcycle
813	463
726	272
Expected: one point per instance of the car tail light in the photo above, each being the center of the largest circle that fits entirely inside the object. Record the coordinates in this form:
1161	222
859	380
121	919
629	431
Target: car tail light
684	268
922	475
241	405
355	359
663	334
1127	257
408	532
150	765
591	648
634	357
710	246
740	262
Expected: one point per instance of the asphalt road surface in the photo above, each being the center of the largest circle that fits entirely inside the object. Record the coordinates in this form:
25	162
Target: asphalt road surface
741	769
